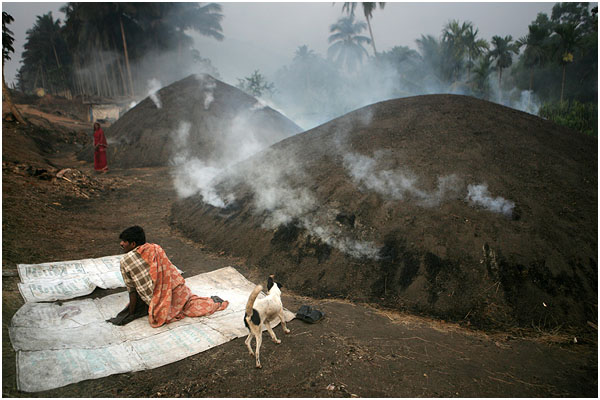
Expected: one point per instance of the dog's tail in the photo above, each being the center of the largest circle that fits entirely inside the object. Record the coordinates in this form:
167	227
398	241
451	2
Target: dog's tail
251	300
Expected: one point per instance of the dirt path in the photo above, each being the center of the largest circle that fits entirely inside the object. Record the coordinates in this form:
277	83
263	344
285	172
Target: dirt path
356	350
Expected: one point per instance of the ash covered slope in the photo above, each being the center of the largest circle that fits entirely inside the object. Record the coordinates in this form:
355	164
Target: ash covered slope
198	115
441	204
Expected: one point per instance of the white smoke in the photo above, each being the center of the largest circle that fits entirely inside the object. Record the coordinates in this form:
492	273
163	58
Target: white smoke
192	175
237	139
278	195
316	91
334	237
526	101
478	195
402	185
154	86
242	139
209	86
259	105
396	184
274	193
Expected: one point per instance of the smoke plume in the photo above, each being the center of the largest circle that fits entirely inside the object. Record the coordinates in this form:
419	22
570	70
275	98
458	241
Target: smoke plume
190	174
398	184
209	87
402	185
153	87
478	195
279	189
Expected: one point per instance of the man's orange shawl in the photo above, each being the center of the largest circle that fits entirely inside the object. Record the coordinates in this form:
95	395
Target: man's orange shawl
172	299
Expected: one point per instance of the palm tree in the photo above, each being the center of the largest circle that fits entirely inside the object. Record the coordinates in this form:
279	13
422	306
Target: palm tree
408	65
502	53
400	55
52	31
49	29
7	48
166	23
303	53
480	79
569	37
204	19
121	9
41	55
131	30
475	47
347	43
535	45
303	64
93	30
453	37
368	9
433	57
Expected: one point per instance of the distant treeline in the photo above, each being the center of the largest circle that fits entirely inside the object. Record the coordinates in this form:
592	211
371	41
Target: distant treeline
113	49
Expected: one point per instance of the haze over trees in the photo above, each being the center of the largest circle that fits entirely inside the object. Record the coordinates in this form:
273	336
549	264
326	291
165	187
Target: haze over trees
347	44
104	49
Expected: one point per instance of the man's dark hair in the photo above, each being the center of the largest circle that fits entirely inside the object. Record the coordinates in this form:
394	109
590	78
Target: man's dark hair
134	234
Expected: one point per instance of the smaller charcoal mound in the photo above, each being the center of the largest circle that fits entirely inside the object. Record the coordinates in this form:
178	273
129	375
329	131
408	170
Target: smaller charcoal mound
208	113
445	205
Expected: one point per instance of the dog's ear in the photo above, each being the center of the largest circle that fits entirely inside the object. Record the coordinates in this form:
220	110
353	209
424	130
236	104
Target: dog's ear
270	282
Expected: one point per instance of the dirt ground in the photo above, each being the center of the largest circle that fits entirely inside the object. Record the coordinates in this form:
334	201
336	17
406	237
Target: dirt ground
357	350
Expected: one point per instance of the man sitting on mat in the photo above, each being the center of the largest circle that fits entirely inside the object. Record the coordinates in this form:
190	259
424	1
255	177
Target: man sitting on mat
155	286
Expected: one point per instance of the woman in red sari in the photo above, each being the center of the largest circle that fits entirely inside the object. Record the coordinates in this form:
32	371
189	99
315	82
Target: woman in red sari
100	164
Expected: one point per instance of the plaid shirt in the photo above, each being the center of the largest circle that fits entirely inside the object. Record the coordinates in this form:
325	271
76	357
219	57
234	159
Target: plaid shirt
136	274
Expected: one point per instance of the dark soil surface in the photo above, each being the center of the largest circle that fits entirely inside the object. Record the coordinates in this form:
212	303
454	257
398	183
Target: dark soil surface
198	116
396	177
359	349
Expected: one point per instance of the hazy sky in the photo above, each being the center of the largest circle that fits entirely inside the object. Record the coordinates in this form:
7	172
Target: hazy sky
265	36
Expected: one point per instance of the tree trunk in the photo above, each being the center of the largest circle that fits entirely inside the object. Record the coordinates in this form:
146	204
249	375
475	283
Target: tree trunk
43	78
371	33
530	86
500	84
562	86
98	83
114	79
121	74
469	69
56	56
49	81
105	76
78	77
126	57
531	79
60	70
37	73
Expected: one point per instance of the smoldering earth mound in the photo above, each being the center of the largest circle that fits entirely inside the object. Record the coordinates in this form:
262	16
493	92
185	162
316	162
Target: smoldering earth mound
440	204
198	116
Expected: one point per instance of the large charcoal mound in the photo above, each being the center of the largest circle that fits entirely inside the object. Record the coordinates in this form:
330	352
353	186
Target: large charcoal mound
145	135
454	258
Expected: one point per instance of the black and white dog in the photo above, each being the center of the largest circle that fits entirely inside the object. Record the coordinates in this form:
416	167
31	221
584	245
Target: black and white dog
262	312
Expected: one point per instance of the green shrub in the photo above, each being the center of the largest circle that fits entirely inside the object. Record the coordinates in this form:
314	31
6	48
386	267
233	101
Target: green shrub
582	117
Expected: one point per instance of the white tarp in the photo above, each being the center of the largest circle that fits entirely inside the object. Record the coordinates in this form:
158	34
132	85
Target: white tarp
64	280
59	344
68	279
